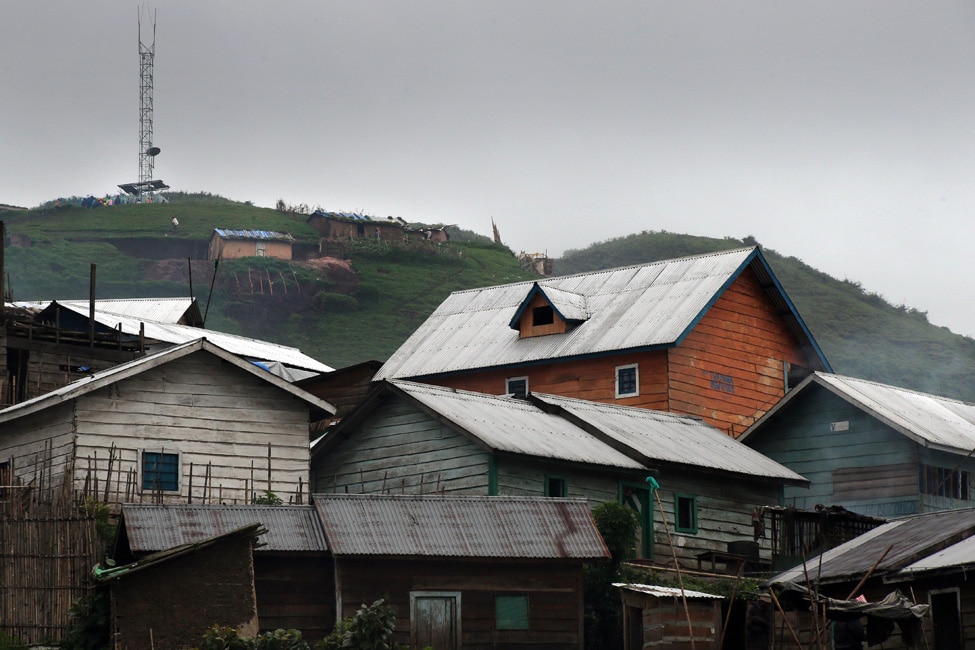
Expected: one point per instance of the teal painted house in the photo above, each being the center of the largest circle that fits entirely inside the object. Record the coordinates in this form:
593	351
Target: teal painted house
871	448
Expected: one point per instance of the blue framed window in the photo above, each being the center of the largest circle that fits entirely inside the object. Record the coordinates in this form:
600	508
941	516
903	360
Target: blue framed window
628	380
160	471
511	612
685	513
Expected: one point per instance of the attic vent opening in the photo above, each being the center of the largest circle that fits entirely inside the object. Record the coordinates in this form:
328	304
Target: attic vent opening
543	315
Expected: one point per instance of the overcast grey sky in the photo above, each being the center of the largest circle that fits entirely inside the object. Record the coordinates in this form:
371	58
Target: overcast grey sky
838	132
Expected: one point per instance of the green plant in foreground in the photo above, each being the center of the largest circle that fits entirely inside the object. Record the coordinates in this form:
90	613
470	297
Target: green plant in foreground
370	629
268	498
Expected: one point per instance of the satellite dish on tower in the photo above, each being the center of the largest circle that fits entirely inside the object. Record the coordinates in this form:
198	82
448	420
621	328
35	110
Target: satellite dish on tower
152	151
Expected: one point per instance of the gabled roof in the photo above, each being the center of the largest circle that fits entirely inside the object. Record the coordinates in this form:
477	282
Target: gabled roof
570	307
152	528
565	429
936	422
910	540
634	308
173	333
117	373
657	437
459	527
496	422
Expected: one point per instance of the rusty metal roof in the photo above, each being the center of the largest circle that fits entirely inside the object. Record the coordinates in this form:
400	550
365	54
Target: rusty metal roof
459	527
632	308
929	420
910	539
152	528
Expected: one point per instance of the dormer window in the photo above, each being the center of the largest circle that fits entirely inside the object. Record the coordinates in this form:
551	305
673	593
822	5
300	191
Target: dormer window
543	315
547	310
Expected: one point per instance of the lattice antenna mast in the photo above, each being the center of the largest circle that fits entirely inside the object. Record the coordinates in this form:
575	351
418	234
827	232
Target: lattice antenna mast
147	54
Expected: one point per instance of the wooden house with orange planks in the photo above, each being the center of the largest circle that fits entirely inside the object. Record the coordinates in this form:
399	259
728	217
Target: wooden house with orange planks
711	335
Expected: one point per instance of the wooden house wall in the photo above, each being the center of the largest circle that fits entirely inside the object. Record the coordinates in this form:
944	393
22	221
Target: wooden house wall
730	368
524	476
591	379
850	458
172	604
341	230
401	449
295	591
220	419
39	446
49	365
235	248
663	622
554	591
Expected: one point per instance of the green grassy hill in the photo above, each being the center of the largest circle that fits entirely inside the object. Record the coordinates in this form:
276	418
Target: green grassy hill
347	312
861	334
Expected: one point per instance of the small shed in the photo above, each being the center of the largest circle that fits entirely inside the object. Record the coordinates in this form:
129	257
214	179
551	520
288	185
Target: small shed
667	617
168	600
465	572
230	244
292	568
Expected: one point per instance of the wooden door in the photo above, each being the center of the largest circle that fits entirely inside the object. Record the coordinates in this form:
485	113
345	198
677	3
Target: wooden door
435	619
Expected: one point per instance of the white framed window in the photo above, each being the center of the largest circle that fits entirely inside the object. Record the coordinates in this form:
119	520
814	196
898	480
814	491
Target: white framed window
628	380
516	386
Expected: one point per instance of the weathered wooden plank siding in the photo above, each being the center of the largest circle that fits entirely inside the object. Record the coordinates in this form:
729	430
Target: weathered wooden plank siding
219	419
724	514
845	453
295	592
402	450
729	369
39	447
554	593
592	379
526	477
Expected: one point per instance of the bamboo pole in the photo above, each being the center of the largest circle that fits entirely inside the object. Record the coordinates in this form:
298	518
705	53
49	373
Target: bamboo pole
680	578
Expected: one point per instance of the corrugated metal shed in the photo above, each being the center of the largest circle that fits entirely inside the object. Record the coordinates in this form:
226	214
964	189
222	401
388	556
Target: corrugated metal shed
666	592
516	426
265	235
931	421
911	539
175	334
671	438
631	308
459	527
957	557
152	528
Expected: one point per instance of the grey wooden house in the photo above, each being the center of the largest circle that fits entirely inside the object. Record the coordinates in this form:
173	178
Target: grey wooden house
409	438
871	448
193	423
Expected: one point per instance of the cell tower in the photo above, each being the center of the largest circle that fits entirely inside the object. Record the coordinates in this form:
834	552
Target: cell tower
147	150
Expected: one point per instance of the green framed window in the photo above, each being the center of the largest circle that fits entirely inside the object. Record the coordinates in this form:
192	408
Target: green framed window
685	513
556	486
516	386
511	612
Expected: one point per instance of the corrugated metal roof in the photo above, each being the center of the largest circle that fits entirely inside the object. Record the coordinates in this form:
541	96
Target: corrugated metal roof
516	426
636	307
665	592
176	334
461	527
267	235
931	421
152	528
162	310
131	368
911	539
672	438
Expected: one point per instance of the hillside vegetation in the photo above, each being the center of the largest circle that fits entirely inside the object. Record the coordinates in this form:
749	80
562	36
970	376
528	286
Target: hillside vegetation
860	333
364	302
